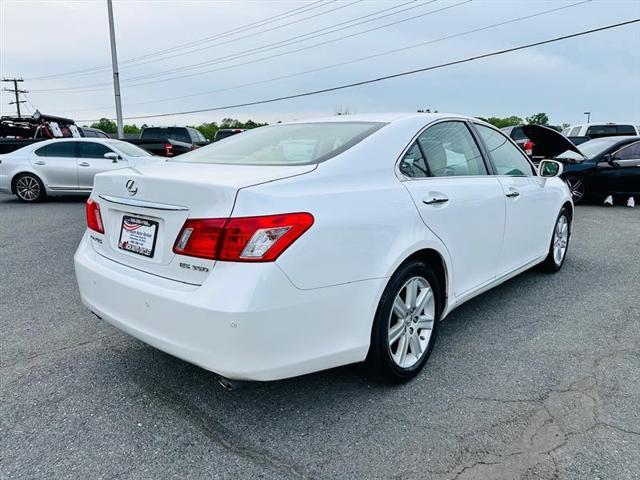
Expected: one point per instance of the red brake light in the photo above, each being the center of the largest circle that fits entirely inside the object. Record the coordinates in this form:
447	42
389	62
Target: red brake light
528	147
168	150
94	218
246	239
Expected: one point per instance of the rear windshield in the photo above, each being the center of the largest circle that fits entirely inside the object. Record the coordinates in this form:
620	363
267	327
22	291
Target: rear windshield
289	144
179	134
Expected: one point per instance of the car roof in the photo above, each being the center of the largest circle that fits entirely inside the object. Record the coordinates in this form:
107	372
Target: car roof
382	117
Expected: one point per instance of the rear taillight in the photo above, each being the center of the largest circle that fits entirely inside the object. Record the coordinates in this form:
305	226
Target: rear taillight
528	147
168	150
94	218
246	239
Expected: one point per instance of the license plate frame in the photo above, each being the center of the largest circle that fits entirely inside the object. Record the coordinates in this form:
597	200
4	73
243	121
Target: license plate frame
137	229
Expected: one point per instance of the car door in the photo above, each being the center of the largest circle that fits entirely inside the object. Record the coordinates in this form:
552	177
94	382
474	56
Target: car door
55	164
528	223
622	174
91	161
458	200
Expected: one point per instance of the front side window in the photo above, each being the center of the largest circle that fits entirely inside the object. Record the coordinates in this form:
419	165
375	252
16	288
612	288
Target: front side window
92	150
507	158
58	149
450	151
631	152
575	132
289	144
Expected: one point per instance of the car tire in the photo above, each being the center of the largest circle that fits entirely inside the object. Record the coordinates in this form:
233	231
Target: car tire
559	243
414	327
29	188
576	187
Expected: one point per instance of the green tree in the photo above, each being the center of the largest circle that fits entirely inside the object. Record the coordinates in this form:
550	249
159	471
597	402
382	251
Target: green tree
131	129
499	122
106	125
538	119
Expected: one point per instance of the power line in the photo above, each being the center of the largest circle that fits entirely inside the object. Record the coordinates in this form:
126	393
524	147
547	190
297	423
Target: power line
275	18
355	60
391	76
83	89
282	43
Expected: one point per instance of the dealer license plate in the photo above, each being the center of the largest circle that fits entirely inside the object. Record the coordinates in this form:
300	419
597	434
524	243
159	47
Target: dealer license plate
138	235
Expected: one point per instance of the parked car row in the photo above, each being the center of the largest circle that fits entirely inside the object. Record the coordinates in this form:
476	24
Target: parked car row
18	132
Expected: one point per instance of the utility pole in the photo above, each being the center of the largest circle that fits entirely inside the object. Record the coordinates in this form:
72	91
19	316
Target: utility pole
16	91
116	75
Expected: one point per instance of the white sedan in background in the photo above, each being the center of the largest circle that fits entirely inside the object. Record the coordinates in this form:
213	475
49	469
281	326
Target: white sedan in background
65	166
304	246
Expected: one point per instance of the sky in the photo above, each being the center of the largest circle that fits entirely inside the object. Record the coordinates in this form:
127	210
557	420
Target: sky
255	42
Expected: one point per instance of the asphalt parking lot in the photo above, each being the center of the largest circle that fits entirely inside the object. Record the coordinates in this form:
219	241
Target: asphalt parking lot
538	378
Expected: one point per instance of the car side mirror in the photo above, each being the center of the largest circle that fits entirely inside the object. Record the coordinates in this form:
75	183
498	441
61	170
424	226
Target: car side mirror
114	157
550	168
611	160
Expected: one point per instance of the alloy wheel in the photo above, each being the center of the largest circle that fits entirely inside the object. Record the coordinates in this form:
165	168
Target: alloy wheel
576	187
411	322
28	188
560	239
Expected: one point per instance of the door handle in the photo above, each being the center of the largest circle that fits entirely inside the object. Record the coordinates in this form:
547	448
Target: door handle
40	162
84	164
434	200
513	194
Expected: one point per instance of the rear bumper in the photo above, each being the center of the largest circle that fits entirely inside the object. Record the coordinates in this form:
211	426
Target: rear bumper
246	322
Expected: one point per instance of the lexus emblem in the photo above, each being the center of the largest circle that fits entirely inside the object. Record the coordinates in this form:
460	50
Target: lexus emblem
131	187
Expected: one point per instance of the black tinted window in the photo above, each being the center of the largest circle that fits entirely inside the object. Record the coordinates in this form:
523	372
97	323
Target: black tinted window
89	133
626	130
57	149
518	134
602	131
450	150
507	158
92	150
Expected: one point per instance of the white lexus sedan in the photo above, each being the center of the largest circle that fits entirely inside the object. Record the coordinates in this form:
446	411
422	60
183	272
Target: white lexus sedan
303	246
65	166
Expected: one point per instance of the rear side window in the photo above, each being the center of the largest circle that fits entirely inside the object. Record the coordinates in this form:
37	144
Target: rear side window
90	133
58	149
507	158
518	134
413	164
450	151
92	150
287	144
575	132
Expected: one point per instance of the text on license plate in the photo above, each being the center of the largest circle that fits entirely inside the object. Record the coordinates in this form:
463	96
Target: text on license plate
138	235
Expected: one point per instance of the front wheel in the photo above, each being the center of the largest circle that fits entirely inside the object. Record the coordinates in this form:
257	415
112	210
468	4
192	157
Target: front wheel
29	188
405	324
576	187
559	243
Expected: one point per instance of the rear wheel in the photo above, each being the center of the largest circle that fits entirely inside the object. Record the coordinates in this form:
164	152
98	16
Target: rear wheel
576	187
406	323
29	188
559	243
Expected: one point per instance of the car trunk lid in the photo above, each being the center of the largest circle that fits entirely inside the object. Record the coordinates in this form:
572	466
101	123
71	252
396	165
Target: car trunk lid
144	208
548	142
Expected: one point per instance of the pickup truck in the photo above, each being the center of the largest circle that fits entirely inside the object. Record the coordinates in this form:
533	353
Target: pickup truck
18	132
169	141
